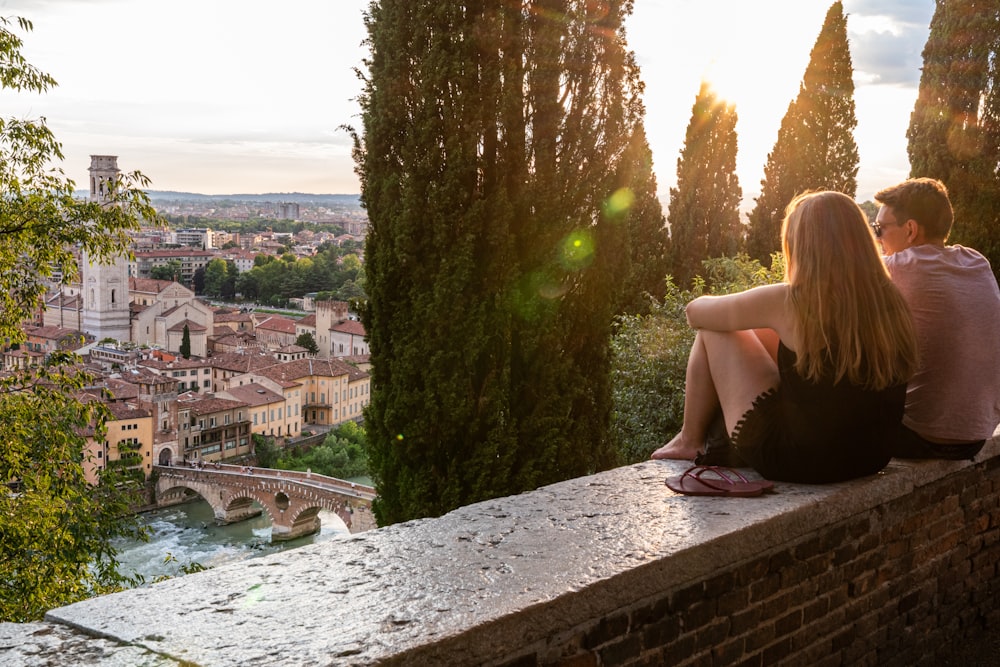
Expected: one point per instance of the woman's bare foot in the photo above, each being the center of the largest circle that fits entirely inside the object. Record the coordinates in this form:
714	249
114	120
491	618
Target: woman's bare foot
678	448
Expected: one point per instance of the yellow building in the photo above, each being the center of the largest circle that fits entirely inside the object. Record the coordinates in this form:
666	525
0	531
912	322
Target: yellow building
270	413
128	442
327	391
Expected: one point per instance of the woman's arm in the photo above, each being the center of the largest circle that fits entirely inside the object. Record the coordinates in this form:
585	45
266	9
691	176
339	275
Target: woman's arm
764	307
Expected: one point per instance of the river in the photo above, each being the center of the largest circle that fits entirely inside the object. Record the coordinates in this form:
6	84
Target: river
186	534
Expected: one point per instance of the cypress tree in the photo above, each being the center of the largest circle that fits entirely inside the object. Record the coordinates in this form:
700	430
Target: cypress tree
493	139
186	343
815	149
704	210
954	132
646	242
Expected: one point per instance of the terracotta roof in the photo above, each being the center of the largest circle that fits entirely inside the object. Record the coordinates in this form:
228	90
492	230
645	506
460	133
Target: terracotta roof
139	375
232	317
204	404
50	332
177	364
122	411
303	368
193	327
255	394
307	321
242	362
352	327
278	323
149	285
61	300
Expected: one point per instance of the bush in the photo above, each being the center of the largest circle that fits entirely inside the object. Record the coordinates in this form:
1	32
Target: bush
650	356
341	454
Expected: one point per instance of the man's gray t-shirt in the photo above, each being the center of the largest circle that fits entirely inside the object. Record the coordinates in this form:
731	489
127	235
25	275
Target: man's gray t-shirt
953	295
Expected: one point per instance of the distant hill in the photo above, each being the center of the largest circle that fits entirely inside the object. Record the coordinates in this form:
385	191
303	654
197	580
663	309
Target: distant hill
291	197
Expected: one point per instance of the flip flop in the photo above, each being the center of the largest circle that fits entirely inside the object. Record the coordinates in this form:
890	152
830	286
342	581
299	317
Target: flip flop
716	481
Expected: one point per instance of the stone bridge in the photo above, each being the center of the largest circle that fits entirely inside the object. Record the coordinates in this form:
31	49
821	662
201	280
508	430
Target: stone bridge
291	499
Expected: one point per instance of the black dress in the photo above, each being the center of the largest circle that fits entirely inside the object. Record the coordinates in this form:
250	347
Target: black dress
816	432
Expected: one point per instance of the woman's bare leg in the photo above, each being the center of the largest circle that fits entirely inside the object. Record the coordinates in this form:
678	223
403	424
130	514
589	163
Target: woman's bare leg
701	404
727	369
742	369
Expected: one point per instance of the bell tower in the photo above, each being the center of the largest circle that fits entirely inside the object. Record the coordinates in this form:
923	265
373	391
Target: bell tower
105	286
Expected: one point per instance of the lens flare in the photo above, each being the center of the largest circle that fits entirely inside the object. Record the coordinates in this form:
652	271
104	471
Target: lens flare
619	202
577	250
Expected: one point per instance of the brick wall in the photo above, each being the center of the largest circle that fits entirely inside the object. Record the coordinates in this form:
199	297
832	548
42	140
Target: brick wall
896	585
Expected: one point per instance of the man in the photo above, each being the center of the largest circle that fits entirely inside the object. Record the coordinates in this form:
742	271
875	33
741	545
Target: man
953	402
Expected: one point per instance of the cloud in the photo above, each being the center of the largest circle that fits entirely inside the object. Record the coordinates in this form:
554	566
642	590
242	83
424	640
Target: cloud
887	40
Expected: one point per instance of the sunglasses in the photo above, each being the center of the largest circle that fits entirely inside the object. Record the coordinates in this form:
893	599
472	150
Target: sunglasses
877	227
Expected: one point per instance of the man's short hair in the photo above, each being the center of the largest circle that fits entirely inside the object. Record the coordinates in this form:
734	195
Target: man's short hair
924	200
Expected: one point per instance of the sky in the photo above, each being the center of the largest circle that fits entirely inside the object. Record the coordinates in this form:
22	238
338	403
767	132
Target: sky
251	96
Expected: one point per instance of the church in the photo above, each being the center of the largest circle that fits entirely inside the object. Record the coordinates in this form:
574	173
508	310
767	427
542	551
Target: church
109	302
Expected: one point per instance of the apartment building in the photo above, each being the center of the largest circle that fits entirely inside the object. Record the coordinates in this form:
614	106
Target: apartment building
212	428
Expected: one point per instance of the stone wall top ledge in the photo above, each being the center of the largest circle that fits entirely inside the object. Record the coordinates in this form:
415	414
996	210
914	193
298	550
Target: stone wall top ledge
517	565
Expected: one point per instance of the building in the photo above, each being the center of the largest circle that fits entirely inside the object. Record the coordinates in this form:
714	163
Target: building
270	413
348	339
287	210
160	311
128	443
329	391
212	428
190	260
276	331
104	284
195	238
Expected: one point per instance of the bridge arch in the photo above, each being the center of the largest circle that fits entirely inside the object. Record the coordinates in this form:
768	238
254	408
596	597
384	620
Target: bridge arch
292	500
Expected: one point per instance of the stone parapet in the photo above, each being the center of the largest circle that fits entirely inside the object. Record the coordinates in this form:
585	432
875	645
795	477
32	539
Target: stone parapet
610	569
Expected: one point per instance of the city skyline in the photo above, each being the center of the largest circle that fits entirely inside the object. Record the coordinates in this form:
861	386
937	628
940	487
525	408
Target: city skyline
249	97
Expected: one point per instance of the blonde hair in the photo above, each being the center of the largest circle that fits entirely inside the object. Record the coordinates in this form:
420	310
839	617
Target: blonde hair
850	319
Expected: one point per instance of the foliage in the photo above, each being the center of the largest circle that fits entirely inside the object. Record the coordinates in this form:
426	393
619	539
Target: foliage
341	455
954	132
266	451
168	271
186	343
220	278
306	340
704	209
56	531
815	149
647	238
651	352
274	281
495	142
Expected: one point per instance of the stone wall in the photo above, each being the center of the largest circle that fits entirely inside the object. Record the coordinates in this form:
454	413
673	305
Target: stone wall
612	569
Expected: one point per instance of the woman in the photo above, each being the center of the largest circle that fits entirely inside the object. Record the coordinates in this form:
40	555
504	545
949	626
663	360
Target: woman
810	374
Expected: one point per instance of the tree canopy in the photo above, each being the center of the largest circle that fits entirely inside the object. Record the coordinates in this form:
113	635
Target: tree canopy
492	165
704	209
815	149
954	132
56	531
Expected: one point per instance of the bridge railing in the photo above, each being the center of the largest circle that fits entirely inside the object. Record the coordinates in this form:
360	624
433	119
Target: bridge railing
307	478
